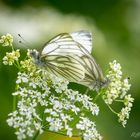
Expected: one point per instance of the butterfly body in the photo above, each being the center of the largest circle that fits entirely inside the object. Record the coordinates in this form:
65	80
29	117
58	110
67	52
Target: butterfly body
68	55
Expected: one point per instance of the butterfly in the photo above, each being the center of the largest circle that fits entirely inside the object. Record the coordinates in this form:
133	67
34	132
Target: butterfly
69	55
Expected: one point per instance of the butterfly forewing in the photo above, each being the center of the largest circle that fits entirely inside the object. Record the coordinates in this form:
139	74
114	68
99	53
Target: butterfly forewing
69	44
84	38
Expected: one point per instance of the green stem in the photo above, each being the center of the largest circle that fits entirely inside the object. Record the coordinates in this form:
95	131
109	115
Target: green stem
12	48
76	119
61	133
96	97
36	135
99	94
120	101
112	109
87	90
18	65
14	103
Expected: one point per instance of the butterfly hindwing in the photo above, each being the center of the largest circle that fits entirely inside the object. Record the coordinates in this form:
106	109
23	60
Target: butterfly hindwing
67	66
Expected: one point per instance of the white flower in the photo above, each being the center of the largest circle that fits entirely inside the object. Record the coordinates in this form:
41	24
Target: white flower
74	109
49	119
116	88
30	132
22	77
95	109
128	100
69	132
38	126
33	84
6	40
56	125
117	91
88	129
20	134
125	87
124	114
11	57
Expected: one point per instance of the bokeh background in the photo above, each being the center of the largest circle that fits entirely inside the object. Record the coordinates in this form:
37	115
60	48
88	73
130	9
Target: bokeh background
115	25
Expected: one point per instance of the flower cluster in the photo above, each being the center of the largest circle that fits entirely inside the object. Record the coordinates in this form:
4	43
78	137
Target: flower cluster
117	91
88	129
125	111
46	103
11	57
6	40
117	87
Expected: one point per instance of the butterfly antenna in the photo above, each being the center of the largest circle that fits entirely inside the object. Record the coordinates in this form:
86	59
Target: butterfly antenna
24	43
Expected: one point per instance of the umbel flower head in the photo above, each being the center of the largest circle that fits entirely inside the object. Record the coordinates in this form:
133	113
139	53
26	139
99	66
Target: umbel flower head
40	92
117	92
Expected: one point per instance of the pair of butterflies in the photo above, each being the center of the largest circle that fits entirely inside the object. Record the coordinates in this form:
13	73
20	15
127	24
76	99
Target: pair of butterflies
69	55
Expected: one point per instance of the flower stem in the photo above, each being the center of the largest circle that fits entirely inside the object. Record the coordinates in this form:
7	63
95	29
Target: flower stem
18	65
112	109
36	135
12	48
119	101
62	133
14	103
87	90
96	97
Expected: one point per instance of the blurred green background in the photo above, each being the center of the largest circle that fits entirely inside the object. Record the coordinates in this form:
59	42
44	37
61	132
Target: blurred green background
115	25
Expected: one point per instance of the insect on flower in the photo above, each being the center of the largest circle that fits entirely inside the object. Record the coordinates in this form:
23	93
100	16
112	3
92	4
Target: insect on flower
69	55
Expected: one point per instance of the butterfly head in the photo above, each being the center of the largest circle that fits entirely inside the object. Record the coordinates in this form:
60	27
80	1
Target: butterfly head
35	55
105	83
100	84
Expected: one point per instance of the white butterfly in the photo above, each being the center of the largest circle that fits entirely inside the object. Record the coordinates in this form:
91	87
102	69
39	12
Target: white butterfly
69	56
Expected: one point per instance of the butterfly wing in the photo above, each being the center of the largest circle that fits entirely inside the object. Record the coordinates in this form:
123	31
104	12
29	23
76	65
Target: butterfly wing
84	38
93	73
68	43
67	66
62	57
68	55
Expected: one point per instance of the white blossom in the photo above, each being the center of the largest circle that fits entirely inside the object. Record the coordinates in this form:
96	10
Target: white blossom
88	129
124	114
116	88
6	40
11	57
117	91
69	132
50	92
22	77
56	125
